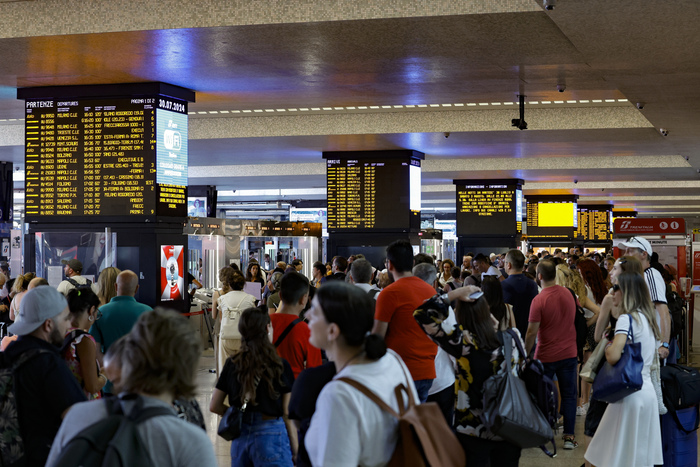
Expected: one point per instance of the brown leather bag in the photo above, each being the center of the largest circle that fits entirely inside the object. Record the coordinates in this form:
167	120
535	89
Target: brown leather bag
425	439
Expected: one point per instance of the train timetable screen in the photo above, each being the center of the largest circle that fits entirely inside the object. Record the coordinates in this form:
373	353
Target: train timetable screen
106	157
372	195
489	209
551	219
594	224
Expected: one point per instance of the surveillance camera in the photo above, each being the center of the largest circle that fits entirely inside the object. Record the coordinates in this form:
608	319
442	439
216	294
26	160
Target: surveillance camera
640	105
549	4
663	131
447	134
575	181
561	87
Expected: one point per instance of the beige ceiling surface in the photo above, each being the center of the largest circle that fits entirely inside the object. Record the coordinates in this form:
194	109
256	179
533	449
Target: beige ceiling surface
278	83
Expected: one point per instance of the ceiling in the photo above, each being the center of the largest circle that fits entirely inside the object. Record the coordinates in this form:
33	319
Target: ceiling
278	83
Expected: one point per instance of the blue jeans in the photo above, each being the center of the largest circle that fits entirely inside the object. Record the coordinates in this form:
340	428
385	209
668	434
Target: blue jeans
423	387
566	371
262	443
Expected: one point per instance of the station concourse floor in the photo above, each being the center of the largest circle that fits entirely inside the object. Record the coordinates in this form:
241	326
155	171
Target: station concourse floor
530	457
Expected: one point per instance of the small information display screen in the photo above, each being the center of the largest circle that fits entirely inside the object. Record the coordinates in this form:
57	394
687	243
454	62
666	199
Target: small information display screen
594	223
106	157
551	217
489	207
373	194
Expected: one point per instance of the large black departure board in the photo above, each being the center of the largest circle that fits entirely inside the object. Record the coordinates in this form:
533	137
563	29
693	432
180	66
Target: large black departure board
116	157
594	223
489	207
372	192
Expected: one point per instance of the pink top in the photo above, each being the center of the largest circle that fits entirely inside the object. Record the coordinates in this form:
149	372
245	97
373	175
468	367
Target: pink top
71	357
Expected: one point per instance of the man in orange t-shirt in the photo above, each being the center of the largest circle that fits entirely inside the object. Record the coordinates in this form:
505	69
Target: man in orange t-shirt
393	317
295	346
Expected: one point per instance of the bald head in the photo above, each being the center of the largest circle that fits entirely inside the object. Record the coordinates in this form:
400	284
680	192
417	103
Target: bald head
127	283
37	282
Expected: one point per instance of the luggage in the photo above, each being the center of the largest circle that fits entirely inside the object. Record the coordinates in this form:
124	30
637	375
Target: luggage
680	448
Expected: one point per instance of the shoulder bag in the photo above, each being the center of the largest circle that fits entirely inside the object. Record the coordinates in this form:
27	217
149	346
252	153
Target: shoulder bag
231	423
588	371
509	411
615	382
229	329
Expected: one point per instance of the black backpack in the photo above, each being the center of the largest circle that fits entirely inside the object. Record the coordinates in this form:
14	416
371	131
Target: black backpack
581	327
114	440
78	285
681	389
677	309
12	446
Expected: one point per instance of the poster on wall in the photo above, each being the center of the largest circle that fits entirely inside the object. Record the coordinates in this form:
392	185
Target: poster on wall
172	272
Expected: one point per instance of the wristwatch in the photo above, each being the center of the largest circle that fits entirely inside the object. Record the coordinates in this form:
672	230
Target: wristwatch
664	344
444	297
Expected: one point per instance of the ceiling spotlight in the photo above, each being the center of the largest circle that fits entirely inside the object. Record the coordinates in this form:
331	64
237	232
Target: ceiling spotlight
520	123
663	131
447	134
549	4
640	105
561	87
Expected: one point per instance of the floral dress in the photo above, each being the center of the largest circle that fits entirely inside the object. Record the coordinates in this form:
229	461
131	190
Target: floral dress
474	365
71	357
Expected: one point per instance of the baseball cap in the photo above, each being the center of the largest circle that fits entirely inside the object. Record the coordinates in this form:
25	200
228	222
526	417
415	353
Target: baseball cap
37	305
638	242
73	263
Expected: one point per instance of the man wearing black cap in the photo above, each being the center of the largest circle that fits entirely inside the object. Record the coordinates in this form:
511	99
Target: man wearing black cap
44	386
72	268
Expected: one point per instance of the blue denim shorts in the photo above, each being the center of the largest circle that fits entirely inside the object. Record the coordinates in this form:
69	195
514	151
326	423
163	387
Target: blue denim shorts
262	443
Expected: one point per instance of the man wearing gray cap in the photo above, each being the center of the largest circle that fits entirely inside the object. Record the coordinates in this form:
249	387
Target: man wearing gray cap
640	248
72	268
44	386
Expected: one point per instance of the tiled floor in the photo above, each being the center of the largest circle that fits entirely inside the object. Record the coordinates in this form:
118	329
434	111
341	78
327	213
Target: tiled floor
530	457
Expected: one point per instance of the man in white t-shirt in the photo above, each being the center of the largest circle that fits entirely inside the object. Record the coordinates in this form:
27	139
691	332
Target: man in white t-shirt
361	275
72	268
640	248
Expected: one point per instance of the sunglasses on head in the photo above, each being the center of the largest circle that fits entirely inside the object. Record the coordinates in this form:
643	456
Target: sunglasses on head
615	287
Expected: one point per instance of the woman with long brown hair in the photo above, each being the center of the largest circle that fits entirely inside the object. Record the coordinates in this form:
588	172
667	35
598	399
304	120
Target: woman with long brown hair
257	378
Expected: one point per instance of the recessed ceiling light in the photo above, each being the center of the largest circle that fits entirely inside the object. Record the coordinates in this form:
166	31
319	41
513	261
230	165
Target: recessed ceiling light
533	103
584	101
422	105
223	111
434	105
459	105
257	111
446	105
386	107
362	107
483	103
269	110
398	106
235	111
247	111
410	106
315	109
546	102
202	113
495	103
471	104
304	109
213	111
293	110
558	102
349	108
281	110
373	106
609	100
328	108
570	102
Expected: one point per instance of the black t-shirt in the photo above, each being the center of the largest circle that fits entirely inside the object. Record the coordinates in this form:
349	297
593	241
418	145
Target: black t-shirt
302	404
264	403
45	389
519	291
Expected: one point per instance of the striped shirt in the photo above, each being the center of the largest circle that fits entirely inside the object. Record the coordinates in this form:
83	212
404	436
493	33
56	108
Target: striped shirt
656	284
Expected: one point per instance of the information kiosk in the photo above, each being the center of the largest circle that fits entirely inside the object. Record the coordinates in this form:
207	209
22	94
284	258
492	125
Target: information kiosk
373	199
110	157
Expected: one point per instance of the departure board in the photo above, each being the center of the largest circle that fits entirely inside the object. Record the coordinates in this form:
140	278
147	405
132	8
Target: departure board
105	157
594	223
551	217
373	194
489	207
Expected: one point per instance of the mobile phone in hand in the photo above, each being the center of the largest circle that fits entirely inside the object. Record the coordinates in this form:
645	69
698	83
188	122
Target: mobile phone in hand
476	295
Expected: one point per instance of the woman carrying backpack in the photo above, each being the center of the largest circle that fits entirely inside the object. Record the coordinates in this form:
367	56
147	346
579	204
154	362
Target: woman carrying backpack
259	379
475	343
348	428
79	347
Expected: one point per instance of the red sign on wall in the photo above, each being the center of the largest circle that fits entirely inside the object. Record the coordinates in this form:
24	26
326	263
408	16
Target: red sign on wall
656	226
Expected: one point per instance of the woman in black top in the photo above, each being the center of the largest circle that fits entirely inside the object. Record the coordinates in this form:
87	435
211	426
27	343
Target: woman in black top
256	374
254	274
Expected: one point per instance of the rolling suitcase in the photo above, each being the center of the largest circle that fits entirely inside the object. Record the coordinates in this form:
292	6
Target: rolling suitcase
680	443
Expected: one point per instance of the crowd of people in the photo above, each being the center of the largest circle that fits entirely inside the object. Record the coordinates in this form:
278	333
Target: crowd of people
285	358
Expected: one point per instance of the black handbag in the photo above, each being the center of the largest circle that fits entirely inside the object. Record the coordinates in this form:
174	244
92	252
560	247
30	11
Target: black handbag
615	382
231	423
509	411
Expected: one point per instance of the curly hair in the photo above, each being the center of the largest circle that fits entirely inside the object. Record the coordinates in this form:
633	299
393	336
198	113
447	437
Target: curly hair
593	277
257	360
249	272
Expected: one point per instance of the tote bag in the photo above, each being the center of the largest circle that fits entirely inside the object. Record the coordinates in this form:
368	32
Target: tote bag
615	382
